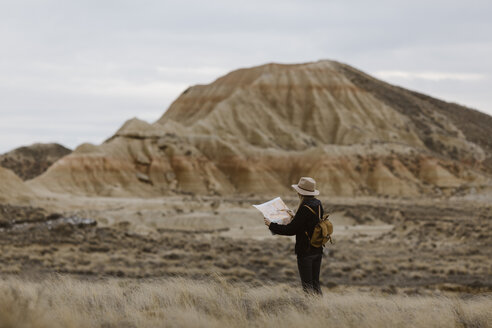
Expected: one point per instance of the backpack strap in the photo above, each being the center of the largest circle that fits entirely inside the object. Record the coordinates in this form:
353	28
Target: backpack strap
319	216
312	211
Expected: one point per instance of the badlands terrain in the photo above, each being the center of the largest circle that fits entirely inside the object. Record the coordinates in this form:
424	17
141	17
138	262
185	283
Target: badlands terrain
407	179
257	130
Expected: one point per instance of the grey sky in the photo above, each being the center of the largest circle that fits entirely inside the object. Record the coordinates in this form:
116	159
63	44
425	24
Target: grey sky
74	71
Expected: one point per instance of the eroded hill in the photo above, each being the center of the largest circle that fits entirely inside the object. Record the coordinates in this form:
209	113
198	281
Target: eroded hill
30	161
257	130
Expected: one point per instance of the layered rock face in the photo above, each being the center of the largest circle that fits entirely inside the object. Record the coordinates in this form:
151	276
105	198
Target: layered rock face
258	130
30	161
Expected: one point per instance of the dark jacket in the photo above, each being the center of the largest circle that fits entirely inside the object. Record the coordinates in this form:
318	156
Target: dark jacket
303	221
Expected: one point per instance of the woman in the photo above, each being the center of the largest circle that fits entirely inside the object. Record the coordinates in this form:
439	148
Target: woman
302	225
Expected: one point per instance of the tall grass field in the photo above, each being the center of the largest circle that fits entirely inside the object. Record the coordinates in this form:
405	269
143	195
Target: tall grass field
60	301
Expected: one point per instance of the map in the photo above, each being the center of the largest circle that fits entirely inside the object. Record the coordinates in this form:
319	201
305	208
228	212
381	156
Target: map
275	210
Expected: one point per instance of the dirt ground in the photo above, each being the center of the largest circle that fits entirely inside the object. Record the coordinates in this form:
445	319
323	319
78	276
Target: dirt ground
414	246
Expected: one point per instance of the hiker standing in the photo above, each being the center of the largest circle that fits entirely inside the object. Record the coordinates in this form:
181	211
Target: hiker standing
302	225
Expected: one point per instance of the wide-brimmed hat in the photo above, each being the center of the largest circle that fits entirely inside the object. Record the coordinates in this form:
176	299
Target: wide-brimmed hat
306	186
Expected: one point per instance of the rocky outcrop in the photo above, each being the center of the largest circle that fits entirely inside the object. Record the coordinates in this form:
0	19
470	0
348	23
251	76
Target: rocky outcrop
258	130
30	161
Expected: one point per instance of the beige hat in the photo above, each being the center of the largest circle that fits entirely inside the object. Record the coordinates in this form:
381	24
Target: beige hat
306	186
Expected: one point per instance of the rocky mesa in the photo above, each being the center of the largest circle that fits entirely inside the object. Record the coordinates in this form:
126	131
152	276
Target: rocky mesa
257	130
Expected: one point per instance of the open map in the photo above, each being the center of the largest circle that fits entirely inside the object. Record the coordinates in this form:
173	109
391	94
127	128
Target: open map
275	210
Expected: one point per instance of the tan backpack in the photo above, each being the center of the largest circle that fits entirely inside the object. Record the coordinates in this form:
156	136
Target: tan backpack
322	231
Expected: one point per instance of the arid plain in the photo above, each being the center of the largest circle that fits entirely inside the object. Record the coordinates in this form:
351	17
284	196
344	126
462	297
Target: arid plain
412	246
167	207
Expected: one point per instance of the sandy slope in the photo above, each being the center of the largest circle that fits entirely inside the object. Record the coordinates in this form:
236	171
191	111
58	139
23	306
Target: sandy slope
13	189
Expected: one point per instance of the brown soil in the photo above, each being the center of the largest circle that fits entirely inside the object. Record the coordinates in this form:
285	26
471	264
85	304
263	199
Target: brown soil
441	246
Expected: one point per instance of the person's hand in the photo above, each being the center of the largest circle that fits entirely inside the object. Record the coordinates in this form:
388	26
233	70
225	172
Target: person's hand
267	222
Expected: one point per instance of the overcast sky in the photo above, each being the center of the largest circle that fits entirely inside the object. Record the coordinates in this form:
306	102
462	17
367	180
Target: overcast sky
74	71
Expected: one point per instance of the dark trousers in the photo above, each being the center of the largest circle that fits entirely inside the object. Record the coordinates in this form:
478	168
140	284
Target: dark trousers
309	267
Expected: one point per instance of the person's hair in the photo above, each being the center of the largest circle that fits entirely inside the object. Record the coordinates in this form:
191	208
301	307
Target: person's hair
303	197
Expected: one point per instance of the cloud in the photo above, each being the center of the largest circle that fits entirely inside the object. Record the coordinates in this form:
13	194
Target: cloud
107	61
432	76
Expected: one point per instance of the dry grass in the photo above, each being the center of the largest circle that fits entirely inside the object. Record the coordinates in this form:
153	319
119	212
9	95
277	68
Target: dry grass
67	302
